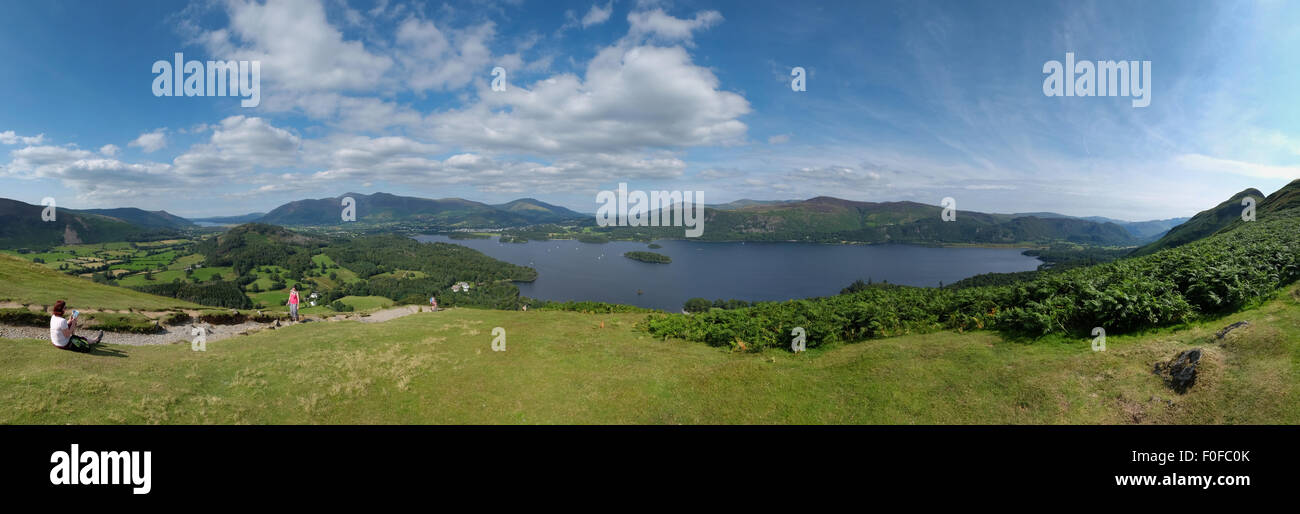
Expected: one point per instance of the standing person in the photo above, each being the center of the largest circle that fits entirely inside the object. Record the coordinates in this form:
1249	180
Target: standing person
433	303
293	303
62	331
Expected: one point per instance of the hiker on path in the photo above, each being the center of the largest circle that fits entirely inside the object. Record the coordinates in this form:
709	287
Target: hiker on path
433	303
293	303
62	331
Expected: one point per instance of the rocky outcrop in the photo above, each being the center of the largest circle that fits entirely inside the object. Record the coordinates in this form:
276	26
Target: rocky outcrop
1179	373
1230	328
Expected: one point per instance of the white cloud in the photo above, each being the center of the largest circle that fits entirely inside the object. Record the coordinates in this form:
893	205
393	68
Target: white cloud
298	47
597	14
150	142
778	139
631	98
1205	163
237	146
657	24
109	150
835	178
438	60
402	160
83	171
8	137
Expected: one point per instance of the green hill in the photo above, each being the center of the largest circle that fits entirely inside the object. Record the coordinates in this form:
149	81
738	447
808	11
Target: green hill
537	211
21	226
1286	198
33	284
258	244
827	219
1203	224
387	208
1226	216
143	218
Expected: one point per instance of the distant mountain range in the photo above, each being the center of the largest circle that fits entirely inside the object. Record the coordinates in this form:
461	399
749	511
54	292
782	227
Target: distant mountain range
1140	230
745	202
828	219
1224	215
451	212
820	219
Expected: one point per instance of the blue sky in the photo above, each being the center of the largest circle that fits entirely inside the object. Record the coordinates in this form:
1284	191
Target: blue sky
905	101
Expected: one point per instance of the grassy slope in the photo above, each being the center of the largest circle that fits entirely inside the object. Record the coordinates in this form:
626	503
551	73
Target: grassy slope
1203	224
24	282
563	367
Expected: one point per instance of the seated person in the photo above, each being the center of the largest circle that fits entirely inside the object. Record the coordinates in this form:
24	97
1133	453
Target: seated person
62	332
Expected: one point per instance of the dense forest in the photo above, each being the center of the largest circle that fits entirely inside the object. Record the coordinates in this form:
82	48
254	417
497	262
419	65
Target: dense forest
217	294
442	265
256	244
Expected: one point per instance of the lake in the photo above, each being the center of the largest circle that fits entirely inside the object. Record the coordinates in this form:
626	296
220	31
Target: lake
570	270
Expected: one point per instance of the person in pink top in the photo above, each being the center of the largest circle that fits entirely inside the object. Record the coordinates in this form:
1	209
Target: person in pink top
293	303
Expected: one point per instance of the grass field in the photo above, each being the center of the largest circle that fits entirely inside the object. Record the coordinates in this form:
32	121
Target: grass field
564	367
21	282
159	277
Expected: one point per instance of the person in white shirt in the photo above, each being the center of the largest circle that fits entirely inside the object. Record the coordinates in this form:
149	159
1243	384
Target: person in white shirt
62	331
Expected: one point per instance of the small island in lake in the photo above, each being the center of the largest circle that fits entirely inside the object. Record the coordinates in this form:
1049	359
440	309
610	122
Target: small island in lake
651	257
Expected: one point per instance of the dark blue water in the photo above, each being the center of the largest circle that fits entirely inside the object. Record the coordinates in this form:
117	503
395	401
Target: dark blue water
569	270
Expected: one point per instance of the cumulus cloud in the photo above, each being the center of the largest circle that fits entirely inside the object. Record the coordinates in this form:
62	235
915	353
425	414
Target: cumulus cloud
631	98
298	47
8	137
597	14
348	159
150	142
659	25
629	114
238	145
84	171
440	60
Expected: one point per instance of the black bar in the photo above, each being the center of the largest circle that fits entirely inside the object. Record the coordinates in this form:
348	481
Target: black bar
890	461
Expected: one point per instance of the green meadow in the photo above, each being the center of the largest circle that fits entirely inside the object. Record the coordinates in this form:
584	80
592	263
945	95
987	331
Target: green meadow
566	367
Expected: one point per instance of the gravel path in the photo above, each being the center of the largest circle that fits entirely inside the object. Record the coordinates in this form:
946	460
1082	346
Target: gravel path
183	333
169	335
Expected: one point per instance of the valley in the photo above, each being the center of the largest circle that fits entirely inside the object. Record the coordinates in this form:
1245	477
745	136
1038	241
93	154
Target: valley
994	348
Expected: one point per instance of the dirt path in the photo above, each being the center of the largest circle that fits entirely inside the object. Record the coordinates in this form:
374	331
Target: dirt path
184	333
169	335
